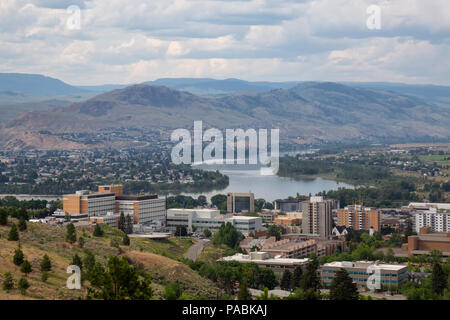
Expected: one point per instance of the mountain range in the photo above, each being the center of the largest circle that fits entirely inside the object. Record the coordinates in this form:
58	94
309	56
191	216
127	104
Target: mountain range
307	112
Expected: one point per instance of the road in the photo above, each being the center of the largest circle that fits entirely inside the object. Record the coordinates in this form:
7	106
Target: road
196	249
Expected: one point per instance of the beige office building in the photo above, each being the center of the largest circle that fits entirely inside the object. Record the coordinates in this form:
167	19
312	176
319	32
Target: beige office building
240	202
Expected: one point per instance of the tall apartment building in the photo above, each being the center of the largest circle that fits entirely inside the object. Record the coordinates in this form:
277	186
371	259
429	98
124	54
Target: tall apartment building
110	199
437	220
240	202
317	216
359	217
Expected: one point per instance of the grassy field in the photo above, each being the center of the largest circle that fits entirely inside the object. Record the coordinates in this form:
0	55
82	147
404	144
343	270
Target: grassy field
441	159
157	258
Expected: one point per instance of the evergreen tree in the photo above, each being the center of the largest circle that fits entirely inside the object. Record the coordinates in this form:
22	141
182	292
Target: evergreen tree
342	287
438	279
243	293
22	224
98	232
71	233
310	279
172	291
76	261
26	267
286	280
81	242
18	256
126	240
8	282
121	224
3	217
128	225
23	285
297	277
46	264
44	276
13	234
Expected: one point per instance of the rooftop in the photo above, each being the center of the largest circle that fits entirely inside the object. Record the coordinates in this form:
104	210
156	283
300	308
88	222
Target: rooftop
239	257
364	264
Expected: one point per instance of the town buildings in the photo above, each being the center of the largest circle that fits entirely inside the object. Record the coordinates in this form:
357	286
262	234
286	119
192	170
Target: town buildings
426	241
437	219
240	202
202	219
110	201
317	216
359	217
360	271
264	260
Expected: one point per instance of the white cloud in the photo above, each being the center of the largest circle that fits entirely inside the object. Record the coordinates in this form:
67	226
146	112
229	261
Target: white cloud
131	41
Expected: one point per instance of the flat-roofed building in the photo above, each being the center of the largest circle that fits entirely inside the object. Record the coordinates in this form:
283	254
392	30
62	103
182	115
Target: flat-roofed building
287	221
240	202
391	274
288	205
426	241
292	248
144	209
437	219
268	216
264	260
317	216
212	220
111	219
117	189
359	217
92	204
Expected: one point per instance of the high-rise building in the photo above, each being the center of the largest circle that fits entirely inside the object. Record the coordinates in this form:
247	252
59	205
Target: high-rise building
240	202
437	220
359	217
317	216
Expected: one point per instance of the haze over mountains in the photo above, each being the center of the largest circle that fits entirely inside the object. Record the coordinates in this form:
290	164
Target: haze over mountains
307	112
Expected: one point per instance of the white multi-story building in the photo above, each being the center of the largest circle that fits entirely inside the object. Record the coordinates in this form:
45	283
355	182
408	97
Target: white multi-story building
210	219
438	220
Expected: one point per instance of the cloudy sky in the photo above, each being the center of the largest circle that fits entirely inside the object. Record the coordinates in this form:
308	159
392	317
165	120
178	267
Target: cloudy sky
129	41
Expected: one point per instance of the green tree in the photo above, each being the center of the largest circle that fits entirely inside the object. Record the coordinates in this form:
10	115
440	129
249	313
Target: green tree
265	296
128	224
274	231
44	276
121	223
76	261
3	217
297	277
126	240
207	233
22	224
26	267
23	285
342	287
267	278
46	264
119	281
81	242
18	256
13	234
8	282
71	233
243	293
438	279
98	232
311	279
286	280
172	291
